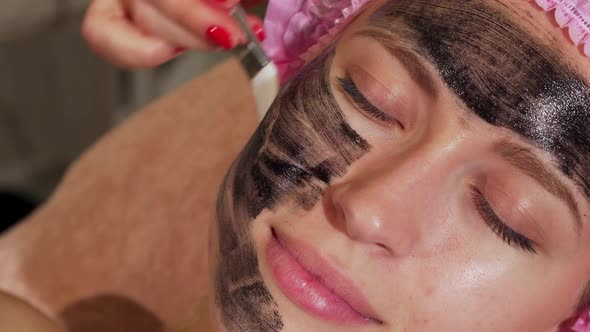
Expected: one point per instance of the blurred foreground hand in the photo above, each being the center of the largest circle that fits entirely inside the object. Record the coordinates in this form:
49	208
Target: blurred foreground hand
147	33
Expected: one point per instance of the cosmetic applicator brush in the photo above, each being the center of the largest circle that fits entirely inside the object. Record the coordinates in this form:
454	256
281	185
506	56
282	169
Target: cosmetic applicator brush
262	71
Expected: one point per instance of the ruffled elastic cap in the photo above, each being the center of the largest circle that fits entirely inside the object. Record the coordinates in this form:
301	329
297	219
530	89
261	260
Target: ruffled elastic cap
573	15
295	27
583	323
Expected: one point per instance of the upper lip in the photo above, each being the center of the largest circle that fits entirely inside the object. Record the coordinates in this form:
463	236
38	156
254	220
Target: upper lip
328	275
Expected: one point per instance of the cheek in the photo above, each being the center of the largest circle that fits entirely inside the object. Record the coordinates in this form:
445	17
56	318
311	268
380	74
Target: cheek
458	294
501	294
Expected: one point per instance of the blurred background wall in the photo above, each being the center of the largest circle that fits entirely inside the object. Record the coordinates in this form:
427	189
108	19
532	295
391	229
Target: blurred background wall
57	98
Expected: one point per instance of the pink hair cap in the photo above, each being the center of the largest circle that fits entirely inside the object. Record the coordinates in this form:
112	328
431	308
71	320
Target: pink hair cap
573	15
582	324
297	29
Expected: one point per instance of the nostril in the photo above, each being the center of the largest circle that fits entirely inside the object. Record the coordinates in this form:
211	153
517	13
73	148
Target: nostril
333	211
384	249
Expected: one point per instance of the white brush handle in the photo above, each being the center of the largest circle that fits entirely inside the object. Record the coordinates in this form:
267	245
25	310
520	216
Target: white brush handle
266	88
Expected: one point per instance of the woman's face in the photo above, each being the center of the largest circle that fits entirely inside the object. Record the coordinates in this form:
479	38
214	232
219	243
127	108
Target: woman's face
429	173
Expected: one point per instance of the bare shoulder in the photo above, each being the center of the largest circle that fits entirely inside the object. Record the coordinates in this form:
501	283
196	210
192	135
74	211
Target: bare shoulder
18	316
136	210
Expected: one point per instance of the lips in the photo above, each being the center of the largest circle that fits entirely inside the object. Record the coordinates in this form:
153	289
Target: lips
316	286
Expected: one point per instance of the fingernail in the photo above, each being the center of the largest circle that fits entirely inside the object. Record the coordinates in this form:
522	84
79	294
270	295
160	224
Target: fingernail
179	50
220	36
219	2
259	31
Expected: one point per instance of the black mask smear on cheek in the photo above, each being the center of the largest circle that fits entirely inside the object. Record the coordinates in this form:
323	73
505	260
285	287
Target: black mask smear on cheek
505	75
299	148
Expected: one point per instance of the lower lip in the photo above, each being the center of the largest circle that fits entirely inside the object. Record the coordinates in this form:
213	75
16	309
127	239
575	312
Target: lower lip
303	289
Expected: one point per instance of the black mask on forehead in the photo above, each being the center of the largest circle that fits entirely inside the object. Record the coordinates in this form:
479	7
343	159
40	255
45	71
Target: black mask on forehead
502	73
300	147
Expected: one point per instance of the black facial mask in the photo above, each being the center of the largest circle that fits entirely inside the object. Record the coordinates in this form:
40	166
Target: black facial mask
300	147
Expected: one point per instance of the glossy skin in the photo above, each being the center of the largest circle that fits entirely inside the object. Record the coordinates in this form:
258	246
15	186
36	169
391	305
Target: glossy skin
404	223
147	33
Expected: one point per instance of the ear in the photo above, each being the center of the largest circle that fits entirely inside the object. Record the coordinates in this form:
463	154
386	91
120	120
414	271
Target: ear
579	323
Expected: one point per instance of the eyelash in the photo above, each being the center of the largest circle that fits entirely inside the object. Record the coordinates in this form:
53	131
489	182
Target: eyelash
506	233
350	88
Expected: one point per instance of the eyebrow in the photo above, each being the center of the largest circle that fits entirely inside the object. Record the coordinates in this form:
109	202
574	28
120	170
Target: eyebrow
525	160
411	61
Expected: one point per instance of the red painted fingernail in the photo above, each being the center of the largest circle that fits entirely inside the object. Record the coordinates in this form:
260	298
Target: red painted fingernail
259	31
179	50
220	36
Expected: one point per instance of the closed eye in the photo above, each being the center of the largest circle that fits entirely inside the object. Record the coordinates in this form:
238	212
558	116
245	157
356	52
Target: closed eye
360	101
507	234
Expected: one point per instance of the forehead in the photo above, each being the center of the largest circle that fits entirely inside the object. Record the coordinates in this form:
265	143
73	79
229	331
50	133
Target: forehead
503	72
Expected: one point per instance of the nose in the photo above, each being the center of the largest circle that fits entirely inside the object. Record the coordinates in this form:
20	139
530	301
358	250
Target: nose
390	210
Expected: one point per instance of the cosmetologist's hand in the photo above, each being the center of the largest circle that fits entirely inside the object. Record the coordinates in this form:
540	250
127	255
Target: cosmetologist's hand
147	33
